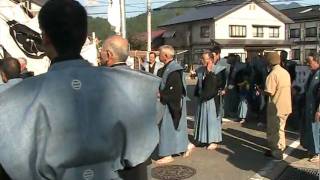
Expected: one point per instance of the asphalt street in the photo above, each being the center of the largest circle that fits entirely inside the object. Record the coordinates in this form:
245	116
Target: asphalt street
240	156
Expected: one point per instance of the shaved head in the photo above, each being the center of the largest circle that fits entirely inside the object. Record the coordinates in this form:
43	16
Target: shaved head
10	69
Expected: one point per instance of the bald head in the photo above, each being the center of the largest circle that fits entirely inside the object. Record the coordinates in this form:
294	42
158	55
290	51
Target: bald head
114	50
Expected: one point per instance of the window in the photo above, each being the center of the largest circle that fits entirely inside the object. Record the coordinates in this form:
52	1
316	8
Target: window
274	32
308	51
294	33
311	32
237	31
257	31
204	31
296	54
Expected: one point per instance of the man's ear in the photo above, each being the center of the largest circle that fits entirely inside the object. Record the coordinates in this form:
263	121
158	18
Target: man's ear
45	39
4	77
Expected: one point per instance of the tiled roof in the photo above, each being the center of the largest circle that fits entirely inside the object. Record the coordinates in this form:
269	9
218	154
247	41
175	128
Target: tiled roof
220	9
303	13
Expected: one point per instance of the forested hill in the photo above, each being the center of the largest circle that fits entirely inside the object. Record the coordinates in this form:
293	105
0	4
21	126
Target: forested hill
160	15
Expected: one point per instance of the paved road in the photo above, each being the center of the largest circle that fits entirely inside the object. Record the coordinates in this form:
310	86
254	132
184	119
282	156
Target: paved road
240	155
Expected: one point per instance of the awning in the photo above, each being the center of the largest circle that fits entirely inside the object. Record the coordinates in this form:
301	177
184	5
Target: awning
168	34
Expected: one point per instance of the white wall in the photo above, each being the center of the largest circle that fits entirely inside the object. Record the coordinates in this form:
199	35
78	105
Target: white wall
227	51
248	15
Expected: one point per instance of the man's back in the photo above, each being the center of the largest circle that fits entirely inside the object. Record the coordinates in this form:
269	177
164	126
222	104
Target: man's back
278	84
77	120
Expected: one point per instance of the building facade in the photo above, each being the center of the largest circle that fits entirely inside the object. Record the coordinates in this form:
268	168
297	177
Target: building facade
247	28
304	32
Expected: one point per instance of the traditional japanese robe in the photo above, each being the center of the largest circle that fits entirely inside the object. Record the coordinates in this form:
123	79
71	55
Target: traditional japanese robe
78	122
207	125
221	71
310	130
173	131
11	83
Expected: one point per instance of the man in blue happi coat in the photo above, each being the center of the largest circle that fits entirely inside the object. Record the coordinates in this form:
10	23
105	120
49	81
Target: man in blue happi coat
114	52
77	121
173	127
310	127
221	69
207	127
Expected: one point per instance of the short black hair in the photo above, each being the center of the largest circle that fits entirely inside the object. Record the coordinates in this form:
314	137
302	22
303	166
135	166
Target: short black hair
208	52
283	55
11	68
216	49
155	55
65	22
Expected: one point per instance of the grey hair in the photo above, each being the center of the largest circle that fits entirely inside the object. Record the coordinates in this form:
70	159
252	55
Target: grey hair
120	51
167	49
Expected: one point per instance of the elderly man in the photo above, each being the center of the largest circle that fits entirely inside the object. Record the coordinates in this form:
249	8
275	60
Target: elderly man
114	52
10	73
278	88
77	121
173	128
310	129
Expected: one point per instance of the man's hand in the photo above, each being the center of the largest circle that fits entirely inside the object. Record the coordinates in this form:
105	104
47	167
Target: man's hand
222	92
317	117
257	93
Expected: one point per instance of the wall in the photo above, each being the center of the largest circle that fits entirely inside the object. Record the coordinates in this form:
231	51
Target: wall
248	15
196	29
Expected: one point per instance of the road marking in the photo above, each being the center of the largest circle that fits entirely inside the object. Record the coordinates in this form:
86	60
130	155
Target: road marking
223	119
270	166
244	140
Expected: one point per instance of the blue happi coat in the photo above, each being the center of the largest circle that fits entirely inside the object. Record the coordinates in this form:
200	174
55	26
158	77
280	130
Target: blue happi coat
310	130
78	122
207	128
173	141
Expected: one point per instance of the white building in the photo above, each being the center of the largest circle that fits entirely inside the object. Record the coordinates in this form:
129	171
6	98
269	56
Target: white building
304	33
244	27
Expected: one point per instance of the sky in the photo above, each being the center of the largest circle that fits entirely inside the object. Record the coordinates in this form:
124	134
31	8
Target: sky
136	7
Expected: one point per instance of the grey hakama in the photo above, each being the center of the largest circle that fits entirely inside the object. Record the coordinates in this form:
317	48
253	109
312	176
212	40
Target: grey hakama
207	125
243	108
173	141
310	130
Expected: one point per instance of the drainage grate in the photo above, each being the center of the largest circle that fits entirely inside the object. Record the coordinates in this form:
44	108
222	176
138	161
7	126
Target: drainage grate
172	172
293	173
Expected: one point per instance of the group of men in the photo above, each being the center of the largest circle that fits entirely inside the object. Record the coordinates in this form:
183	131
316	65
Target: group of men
82	122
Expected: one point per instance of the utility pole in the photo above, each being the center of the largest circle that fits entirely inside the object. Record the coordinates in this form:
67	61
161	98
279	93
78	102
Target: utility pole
123	18
149	28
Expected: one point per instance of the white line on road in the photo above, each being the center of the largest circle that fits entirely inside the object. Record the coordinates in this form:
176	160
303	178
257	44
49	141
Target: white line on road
270	166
